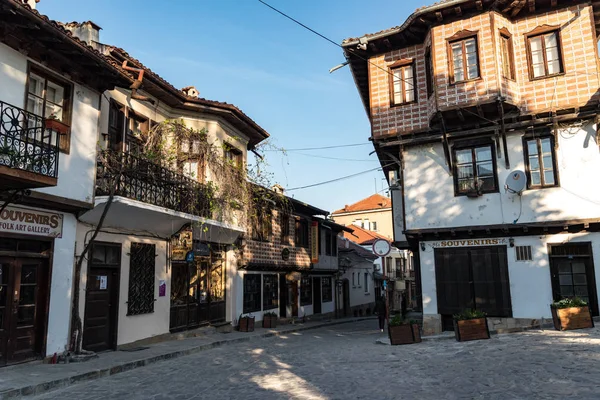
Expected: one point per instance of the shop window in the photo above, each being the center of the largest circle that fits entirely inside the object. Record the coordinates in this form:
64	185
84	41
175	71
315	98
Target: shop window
141	279
306	291
301	233
544	54
270	292
403	84
251	293
475	170
50	98
464	59
540	162
523	253
326	289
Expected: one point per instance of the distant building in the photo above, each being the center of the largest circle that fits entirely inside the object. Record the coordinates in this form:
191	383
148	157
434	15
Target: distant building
373	213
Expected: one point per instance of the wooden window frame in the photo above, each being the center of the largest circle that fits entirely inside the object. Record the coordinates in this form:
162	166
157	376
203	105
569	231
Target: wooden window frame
326	289
231	152
429	72
510	56
301	233
400	65
542	31
538	139
462	37
256	306
262	224
64	145
306	295
270	291
285	227
473	145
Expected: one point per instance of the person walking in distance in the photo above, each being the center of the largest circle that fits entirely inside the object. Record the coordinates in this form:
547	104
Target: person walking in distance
380	310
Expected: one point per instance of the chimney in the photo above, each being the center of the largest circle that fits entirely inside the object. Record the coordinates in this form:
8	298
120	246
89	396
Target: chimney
31	3
277	188
191	91
87	31
346	207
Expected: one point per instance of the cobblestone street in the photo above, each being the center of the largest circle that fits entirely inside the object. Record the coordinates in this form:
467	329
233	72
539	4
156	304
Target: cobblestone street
343	362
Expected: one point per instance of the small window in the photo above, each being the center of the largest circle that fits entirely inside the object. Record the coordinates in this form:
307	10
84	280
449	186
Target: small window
326	290
506	50
251	293
305	291
142	260
270	292
301	234
330	244
540	160
523	253
353	280
285	228
49	98
233	156
366	282
403	84
544	55
475	170
374	226
429	72
262	224
464	59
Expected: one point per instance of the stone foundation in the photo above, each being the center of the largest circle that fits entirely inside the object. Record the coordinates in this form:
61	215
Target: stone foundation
432	324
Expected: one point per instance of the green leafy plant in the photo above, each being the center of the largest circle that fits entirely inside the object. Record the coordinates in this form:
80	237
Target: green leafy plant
397	320
469	314
569	302
271	314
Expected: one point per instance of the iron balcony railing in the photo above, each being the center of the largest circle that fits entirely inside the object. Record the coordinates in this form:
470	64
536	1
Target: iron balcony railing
138	178
26	143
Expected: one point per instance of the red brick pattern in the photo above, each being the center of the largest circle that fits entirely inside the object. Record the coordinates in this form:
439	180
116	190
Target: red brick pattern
578	86
269	252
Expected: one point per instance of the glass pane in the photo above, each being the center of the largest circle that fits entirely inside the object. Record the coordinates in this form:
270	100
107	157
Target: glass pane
547	160
549	178
25	314
551	54
464	156
3	291
3	274
53	111
459	75
532	147
565	279
551	40
98	255
534	163
546	145
535	178
465	185
566	291
564	268
408	73
485	169
535	44
471	59
112	255
27	295
457	51
579	279
34	105
55	93
538	70
471	46
487	183
554	67
580	291
465	171
483	153
578	268
36	84
29	274
473	72
409	95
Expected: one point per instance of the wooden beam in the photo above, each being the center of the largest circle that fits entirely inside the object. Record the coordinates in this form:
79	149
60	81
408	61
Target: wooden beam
531	6
373	47
480	110
445	143
460	115
387	43
553	3
458	11
503	131
439	16
517	9
479	5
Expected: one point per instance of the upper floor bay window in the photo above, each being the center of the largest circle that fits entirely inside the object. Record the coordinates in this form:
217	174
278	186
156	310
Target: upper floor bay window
464	59
403	82
475	170
544	54
540	162
49	97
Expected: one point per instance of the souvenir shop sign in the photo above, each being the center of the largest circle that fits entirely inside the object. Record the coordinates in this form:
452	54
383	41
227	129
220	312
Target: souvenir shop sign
26	221
181	245
470	243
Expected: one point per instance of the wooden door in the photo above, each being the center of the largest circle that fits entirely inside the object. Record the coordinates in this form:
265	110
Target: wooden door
102	298
572	273
317	296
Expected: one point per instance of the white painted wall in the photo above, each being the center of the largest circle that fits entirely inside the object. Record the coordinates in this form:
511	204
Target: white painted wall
358	296
530	285
137	327
429	188
78	168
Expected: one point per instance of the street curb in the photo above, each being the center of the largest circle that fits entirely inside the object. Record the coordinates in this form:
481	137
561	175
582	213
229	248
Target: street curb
62	383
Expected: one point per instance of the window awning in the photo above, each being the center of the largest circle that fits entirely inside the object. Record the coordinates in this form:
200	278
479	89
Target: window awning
139	217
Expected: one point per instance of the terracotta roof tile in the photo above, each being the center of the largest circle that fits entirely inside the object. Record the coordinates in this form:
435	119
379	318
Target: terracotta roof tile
362	236
374	202
348	245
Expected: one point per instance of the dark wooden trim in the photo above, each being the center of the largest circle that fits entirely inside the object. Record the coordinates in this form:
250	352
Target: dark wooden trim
472	144
542	29
401	63
52	202
539	31
506	35
429	83
462	36
525	139
391	78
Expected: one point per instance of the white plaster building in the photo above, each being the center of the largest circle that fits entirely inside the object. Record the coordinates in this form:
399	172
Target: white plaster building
356	288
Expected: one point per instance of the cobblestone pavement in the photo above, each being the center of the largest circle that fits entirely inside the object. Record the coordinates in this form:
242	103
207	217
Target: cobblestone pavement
343	362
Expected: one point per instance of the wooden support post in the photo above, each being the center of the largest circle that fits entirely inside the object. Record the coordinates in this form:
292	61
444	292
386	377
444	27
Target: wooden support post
503	129
445	143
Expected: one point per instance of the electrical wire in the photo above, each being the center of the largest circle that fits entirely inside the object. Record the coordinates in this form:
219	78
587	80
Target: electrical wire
338	179
335	158
320	148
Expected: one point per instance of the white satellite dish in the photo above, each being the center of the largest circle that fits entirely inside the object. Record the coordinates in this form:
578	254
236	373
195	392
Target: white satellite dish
516	182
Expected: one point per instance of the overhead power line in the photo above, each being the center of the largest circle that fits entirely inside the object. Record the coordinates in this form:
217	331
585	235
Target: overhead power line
320	148
335	158
338	179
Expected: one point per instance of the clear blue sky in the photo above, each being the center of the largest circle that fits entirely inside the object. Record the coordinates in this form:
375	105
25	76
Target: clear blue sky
242	52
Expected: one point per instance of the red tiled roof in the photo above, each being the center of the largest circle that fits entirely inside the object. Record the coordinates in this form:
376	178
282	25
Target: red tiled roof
347	245
363	236
374	202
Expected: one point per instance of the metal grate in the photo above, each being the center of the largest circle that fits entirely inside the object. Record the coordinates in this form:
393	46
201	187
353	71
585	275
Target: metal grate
141	279
523	253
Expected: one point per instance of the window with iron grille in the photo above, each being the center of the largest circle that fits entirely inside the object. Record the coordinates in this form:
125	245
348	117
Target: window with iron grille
251	293
141	279
326	290
523	253
270	292
306	291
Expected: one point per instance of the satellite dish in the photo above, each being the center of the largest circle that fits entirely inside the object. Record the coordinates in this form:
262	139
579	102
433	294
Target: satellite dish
515	182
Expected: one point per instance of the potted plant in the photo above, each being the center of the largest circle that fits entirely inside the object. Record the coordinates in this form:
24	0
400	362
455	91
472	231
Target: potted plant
471	325
53	123
269	320
403	332
571	313
246	324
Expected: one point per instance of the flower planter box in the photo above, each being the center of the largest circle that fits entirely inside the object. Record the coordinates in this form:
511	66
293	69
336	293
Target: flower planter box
269	322
56	125
566	319
246	324
471	329
404	334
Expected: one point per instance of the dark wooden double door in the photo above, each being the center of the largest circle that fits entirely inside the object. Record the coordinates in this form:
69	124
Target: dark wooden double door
472	278
23	303
197	293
